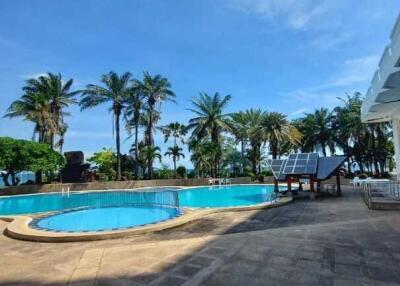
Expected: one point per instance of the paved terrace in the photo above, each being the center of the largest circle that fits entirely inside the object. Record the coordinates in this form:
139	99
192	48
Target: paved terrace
331	241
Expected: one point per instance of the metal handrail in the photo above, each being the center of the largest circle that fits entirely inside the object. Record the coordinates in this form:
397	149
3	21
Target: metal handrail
120	198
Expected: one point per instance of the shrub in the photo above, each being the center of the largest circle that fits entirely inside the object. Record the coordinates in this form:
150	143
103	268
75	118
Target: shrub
363	176
105	161
181	171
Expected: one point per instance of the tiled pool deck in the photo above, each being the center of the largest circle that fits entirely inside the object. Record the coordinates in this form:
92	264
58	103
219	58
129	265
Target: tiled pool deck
331	241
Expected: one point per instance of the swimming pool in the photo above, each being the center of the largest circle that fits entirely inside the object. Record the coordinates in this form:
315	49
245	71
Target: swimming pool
105	218
226	196
198	197
124	209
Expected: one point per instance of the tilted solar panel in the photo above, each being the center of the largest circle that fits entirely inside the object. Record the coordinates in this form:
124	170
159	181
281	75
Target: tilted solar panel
276	166
299	164
328	165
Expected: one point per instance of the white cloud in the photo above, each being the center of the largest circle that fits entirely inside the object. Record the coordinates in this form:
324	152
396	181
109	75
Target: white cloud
298	112
295	14
326	41
355	71
349	75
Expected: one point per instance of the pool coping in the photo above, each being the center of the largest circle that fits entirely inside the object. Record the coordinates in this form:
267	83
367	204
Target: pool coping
19	225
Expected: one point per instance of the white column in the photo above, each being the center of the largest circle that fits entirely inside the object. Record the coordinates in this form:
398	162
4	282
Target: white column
396	142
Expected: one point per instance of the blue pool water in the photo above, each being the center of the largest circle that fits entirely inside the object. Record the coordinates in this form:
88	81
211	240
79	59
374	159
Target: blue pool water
226	196
93	211
107	218
31	204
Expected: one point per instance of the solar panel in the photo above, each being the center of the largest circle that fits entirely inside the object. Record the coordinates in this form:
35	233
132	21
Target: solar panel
328	165
301	164
276	167
306	164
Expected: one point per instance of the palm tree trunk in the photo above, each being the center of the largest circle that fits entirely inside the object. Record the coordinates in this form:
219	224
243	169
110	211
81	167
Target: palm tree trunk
150	168
136	149
323	147
150	127
242	156
174	159
118	144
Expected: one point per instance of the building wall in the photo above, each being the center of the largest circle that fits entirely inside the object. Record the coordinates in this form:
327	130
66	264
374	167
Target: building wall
32	189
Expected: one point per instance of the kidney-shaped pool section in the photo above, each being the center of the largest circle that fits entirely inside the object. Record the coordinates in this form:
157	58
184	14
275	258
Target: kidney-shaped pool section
105	218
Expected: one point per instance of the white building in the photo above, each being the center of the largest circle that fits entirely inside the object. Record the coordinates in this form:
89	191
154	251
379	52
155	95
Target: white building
382	102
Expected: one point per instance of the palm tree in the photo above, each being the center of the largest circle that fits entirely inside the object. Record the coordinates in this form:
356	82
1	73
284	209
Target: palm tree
210	121
320	130
116	90
59	96
175	130
32	107
202	153
239	128
63	129
42	103
148	154
277	130
252	119
133	114
175	152
155	89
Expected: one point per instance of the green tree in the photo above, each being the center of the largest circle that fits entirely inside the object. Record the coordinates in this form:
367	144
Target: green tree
365	144
105	160
210	121
175	130
22	155
43	102
32	107
252	119
148	154
133	115
239	128
203	153
175	152
232	158
116	89
277	130
317	128
155	89
181	171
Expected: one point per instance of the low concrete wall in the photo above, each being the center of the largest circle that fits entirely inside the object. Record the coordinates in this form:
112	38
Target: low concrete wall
268	179
32	189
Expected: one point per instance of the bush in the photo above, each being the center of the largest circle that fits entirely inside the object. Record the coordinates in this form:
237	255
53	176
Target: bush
105	161
191	174
363	176
181	172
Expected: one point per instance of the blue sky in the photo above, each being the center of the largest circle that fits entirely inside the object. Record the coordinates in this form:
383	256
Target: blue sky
290	56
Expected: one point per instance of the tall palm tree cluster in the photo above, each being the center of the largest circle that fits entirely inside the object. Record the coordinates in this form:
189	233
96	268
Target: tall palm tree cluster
140	103
340	130
219	142
253	129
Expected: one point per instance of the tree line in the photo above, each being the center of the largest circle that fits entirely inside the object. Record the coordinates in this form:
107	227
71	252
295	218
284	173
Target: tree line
219	143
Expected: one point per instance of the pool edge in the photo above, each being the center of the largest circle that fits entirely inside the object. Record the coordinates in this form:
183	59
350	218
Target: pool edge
18	226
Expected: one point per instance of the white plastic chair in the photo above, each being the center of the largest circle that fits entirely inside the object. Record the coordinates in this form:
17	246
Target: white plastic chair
356	181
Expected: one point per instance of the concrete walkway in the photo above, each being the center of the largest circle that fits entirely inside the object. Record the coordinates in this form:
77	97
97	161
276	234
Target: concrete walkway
331	241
